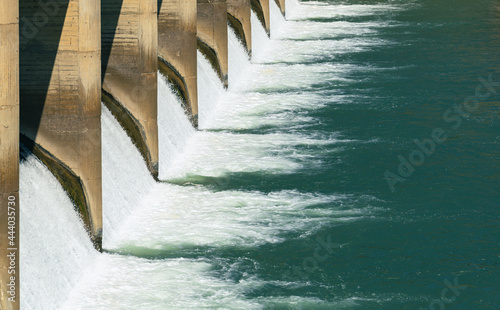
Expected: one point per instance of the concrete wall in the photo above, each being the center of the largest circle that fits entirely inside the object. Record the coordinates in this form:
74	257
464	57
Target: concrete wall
239	16
177	50
212	35
9	150
262	9
129	68
282	5
60	97
53	77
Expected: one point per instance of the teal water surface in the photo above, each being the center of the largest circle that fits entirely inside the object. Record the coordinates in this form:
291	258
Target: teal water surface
355	166
429	235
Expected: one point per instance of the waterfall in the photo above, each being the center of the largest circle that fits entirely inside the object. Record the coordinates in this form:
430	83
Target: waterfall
277	19
260	40
179	218
210	89
55	248
125	177
238	58
174	127
58	257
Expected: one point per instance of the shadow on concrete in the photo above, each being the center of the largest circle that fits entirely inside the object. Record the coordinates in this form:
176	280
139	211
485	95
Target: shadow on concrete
40	34
110	13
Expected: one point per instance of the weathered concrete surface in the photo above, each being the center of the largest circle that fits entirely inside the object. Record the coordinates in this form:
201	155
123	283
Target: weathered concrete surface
9	153
177	50
282	5
212	35
239	14
61	97
262	10
129	70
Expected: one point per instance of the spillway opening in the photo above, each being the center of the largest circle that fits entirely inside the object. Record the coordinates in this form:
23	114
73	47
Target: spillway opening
202	210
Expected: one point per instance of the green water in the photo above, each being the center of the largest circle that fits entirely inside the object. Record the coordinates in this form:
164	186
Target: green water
439	224
307	189
354	167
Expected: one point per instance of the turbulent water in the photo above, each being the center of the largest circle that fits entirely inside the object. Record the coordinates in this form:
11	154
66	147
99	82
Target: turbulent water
348	166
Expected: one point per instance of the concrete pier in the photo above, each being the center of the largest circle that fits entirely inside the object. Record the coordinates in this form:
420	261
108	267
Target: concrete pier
177	50
212	35
262	10
61	97
9	155
282	5
239	14
129	71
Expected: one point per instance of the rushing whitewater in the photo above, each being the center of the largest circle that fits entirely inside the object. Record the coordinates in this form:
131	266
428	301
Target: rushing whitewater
174	127
165	243
120	159
56	250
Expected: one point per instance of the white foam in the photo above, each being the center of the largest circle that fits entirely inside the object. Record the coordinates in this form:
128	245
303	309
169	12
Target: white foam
210	89
55	248
277	19
125	177
291	6
322	10
127	282
174	128
146	219
189	217
238	59
312	41
216	154
260	40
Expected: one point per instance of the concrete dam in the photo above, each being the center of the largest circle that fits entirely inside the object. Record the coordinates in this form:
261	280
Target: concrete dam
249	154
69	69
